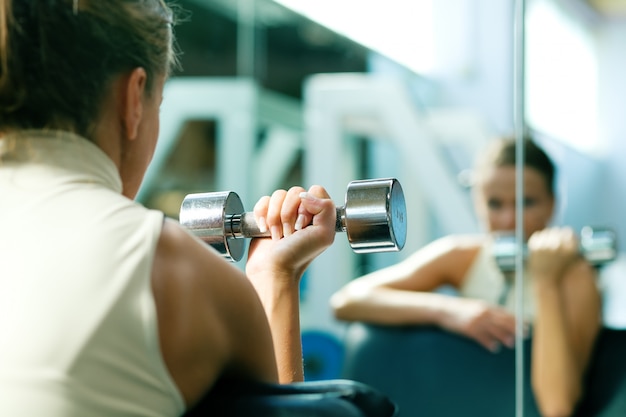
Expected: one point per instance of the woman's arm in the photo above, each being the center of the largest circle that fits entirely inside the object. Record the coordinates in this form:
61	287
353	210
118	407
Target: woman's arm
302	226
209	316
212	322
402	295
567	322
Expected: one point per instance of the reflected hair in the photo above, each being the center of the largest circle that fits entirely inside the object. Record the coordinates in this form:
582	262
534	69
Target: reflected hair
502	152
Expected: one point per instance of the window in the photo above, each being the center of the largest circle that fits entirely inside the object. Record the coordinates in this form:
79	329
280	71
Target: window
399	29
561	76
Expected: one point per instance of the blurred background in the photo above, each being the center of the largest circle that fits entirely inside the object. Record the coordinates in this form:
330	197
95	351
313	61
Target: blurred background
274	93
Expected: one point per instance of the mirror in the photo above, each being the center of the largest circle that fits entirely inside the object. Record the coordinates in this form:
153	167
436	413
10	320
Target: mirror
423	120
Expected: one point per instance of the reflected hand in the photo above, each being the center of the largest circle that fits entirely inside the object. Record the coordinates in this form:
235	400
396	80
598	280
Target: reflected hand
490	326
551	252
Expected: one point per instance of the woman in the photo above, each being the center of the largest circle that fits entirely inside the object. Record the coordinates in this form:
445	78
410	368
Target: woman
107	308
562	305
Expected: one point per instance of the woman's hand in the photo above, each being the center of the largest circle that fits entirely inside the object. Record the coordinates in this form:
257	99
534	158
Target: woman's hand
551	252
490	326
302	225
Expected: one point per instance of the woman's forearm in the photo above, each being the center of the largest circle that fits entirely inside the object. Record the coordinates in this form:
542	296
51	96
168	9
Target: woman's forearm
390	307
556	373
282	306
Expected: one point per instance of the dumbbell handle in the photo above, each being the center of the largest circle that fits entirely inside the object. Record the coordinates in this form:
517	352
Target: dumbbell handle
597	245
245	226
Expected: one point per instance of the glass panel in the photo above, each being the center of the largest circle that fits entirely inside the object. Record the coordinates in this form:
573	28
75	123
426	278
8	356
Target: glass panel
567	88
562	96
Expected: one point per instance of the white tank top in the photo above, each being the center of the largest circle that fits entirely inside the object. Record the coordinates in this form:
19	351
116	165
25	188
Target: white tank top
484	281
78	325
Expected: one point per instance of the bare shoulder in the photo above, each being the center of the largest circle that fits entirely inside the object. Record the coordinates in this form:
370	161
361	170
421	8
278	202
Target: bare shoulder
182	261
463	242
456	249
195	278
460	252
206	310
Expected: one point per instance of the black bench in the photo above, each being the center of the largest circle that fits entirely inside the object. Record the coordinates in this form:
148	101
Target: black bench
332	398
432	373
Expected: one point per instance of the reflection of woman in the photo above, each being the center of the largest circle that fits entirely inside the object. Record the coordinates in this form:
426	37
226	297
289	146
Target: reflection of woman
107	308
563	302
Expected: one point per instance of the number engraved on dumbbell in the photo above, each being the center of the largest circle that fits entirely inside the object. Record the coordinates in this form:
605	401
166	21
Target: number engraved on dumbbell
373	217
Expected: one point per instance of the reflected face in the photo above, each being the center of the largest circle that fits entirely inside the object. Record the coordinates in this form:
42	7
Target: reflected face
494	198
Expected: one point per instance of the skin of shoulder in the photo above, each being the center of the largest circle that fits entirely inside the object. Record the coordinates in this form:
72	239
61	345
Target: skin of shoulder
211	322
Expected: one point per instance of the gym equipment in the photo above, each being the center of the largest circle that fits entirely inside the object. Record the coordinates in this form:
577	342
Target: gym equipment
373	217
597	245
322	354
331	398
428	371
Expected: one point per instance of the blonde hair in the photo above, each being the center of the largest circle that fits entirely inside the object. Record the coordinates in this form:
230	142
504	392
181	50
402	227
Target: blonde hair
502	152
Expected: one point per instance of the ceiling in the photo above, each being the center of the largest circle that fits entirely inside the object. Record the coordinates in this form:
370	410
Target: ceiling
286	47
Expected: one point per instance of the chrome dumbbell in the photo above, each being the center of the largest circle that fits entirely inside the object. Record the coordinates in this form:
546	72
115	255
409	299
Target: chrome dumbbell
373	217
597	245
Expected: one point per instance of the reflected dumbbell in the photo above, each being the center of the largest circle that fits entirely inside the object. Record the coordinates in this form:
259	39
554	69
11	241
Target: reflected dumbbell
373	217
597	245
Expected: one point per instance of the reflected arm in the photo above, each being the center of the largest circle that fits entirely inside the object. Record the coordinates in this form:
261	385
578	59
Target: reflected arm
567	324
401	294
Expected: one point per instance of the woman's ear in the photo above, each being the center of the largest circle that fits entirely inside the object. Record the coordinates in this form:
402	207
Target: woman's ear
133	102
